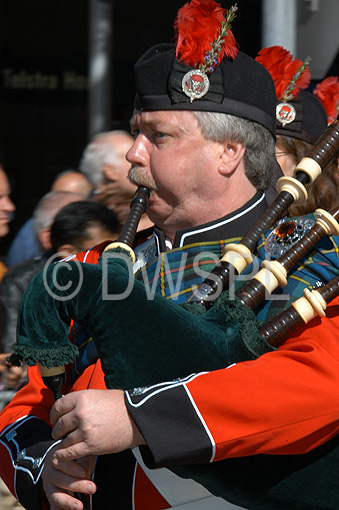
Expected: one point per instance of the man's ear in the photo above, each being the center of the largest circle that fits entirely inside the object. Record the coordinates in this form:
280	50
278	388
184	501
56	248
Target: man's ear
231	157
109	171
45	238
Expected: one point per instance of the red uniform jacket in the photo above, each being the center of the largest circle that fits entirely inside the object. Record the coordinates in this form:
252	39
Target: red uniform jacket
280	404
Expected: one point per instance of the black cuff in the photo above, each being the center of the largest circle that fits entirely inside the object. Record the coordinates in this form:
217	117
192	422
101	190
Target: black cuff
173	430
28	442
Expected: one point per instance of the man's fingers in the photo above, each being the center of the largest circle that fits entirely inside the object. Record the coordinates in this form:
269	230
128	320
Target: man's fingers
67	475
82	468
61	406
62	427
70	440
63	501
75	451
62	479
74	468
61	491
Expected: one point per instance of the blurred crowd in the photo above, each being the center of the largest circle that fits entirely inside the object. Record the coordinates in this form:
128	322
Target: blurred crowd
84	207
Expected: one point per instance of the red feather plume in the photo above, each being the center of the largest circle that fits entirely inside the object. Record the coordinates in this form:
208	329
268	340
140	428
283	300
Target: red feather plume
197	25
328	94
283	67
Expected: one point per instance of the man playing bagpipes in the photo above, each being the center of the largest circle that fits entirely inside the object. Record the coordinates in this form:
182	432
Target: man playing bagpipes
254	433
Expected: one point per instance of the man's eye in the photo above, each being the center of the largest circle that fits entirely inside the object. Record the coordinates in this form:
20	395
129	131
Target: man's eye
159	134
134	132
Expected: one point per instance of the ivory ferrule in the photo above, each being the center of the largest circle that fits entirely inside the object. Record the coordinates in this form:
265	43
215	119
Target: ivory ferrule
238	255
50	372
294	187
310	167
327	222
267	279
310	305
278	270
117	244
317	301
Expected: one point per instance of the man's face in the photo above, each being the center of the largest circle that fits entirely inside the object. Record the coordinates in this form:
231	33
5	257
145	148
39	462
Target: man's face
116	174
287	162
6	205
172	158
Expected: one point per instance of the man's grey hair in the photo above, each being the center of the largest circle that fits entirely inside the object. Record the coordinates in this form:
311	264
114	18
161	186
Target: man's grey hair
258	141
99	152
48	207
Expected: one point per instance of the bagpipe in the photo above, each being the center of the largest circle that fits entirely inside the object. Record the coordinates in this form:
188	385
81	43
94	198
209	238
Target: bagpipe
144	341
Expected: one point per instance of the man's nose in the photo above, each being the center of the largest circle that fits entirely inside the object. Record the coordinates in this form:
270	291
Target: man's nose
8	205
138	154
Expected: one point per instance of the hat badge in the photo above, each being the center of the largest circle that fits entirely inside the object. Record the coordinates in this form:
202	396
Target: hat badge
204	53
285	113
195	84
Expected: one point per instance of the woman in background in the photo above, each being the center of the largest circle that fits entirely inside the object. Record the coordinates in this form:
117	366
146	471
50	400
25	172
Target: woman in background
301	118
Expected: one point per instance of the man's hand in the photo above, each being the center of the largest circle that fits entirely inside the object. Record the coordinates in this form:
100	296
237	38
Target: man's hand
11	376
93	422
62	479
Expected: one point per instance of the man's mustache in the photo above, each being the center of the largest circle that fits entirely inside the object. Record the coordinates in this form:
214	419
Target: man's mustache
137	176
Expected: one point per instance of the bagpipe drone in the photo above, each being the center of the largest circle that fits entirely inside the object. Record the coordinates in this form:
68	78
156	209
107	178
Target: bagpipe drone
211	330
143	341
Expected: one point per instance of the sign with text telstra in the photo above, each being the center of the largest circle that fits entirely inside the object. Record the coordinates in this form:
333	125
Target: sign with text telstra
41	81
